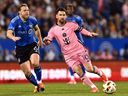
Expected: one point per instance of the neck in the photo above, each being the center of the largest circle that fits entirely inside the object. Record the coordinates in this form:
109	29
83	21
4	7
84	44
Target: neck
61	23
70	15
23	19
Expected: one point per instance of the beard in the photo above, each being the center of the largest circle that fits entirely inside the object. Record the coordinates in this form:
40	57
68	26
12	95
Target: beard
62	21
26	17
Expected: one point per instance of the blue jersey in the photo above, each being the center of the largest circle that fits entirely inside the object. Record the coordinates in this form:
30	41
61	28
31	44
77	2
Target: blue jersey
23	29
77	19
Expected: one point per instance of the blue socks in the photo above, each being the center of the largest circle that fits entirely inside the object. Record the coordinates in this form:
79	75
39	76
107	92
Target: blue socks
32	79
71	71
38	72
83	68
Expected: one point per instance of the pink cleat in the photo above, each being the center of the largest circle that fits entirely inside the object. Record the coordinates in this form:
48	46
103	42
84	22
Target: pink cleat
104	77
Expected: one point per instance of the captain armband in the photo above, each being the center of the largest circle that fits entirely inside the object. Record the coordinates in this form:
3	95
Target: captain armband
79	29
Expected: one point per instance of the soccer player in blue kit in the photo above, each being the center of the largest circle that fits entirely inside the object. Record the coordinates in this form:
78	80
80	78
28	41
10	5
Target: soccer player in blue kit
77	19
23	30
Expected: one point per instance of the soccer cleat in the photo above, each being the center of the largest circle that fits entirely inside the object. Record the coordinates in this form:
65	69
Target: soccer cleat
41	87
104	77
36	89
94	90
72	82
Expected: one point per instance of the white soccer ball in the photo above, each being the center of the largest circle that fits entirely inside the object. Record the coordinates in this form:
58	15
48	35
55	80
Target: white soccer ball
109	87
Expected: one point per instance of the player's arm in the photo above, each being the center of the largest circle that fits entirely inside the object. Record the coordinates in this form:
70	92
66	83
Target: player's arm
38	34
10	31
11	36
87	33
84	31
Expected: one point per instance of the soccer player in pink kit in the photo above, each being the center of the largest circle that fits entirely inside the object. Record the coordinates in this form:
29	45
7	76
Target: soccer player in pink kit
73	51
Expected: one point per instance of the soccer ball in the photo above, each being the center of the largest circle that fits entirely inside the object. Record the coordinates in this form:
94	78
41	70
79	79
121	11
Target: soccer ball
109	87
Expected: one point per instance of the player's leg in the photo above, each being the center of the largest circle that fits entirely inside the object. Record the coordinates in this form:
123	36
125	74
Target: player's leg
83	69
34	59
74	63
23	57
72	78
84	78
84	58
25	67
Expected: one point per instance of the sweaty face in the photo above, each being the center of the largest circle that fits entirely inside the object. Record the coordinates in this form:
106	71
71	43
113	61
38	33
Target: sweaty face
24	12
61	16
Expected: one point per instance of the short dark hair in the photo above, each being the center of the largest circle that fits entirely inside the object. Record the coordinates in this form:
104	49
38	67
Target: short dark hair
21	5
69	5
61	9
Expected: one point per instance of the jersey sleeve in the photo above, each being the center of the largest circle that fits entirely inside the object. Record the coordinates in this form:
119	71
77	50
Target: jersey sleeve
79	20
11	25
81	29
51	34
86	32
75	26
34	20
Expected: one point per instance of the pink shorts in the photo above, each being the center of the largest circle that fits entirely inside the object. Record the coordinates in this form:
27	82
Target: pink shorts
80	58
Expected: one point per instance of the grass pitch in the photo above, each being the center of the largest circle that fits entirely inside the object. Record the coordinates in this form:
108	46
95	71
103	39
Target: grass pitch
60	89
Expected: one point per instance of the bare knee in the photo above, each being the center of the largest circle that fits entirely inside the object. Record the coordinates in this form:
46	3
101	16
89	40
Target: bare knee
35	63
27	73
79	71
25	67
34	59
89	69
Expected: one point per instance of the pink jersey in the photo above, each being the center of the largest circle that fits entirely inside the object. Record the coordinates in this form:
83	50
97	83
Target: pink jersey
67	39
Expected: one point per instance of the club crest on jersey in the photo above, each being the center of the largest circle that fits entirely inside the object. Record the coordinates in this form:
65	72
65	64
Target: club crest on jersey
64	34
30	31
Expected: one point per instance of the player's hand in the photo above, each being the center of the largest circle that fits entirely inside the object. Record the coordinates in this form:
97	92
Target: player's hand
16	38
94	34
46	41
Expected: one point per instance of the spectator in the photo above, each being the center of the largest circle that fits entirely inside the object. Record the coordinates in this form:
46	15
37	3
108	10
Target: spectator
125	55
106	55
9	56
125	10
2	33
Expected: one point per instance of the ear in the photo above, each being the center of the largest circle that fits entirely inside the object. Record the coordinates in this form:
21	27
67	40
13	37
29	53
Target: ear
18	12
56	16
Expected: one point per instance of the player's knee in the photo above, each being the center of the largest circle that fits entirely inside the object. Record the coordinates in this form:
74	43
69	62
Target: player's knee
35	63
90	69
81	74
27	73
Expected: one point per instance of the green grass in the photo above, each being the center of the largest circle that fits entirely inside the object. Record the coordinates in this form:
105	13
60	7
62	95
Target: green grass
60	89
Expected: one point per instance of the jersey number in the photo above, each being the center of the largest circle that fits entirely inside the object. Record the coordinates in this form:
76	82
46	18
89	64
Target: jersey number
36	49
66	41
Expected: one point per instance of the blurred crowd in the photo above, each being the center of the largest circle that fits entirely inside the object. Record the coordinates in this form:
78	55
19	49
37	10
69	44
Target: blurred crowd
109	18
